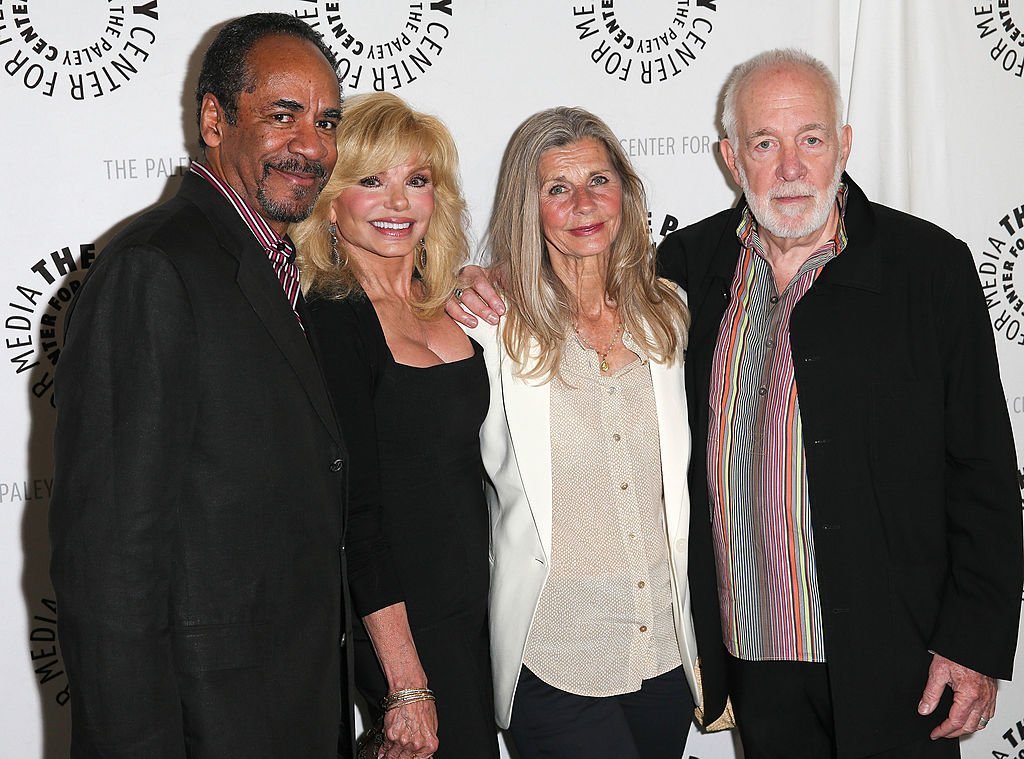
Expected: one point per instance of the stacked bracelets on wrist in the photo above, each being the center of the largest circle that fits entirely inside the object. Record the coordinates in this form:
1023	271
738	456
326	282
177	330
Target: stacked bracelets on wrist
406	696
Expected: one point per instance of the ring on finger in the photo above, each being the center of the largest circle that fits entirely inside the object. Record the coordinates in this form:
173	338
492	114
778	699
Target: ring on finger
983	723
458	296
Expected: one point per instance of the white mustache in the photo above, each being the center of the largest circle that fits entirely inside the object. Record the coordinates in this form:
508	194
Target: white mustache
793	189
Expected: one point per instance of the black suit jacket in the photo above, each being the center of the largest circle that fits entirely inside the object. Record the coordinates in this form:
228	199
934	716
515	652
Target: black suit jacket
915	505
198	507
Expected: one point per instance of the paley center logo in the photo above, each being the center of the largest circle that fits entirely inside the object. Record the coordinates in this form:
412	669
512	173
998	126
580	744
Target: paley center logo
645	41
999	261
997	27
1008	735
384	45
81	50
34	318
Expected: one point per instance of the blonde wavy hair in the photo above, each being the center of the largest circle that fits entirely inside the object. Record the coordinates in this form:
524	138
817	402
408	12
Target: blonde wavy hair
540	307
378	131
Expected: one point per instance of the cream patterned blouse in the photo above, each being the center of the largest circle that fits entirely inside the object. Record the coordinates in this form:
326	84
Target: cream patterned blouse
604	620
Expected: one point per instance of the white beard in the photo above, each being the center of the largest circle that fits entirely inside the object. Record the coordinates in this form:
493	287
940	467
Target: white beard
787	222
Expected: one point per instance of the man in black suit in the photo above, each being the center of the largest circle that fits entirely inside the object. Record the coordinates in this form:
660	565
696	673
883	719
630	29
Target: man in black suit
855	453
198	520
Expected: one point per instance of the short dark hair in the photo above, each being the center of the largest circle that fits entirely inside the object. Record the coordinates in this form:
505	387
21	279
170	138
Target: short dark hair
225	72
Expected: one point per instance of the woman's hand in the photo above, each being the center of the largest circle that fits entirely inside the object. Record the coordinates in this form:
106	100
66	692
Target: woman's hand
410	731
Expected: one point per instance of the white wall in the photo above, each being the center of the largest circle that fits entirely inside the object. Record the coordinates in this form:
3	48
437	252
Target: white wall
98	123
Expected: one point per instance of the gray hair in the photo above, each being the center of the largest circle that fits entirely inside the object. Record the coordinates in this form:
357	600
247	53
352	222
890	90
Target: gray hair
541	309
780	57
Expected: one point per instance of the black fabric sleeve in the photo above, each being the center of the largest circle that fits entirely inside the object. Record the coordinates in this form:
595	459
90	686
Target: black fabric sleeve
127	404
977	625
671	260
350	355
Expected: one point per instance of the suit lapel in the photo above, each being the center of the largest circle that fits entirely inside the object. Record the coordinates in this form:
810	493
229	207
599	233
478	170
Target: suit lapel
528	410
260	286
263	291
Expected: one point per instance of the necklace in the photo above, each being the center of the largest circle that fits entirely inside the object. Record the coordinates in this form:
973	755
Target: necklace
601	354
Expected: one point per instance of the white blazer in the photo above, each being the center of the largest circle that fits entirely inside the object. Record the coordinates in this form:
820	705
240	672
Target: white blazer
516	445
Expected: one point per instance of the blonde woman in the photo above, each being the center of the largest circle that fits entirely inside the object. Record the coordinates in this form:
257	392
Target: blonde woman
586	446
378	257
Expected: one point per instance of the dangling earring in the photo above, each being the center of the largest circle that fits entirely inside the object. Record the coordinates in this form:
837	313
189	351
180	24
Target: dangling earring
333	231
423	255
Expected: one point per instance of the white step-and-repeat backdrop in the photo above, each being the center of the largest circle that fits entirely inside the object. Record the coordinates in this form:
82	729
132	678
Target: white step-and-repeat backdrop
99	123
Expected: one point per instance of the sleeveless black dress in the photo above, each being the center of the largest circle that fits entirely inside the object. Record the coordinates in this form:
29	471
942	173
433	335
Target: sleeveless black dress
426	422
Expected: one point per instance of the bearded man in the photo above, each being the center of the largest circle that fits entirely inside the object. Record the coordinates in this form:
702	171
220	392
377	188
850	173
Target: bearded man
198	515
858	496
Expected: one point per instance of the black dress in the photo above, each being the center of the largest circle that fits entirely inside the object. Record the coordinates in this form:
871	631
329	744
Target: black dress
419	428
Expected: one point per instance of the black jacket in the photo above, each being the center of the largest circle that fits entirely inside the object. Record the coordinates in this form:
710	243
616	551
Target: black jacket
197	519
915	505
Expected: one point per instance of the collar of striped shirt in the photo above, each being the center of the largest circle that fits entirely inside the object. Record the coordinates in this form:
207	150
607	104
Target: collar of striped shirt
747	231
267	237
279	250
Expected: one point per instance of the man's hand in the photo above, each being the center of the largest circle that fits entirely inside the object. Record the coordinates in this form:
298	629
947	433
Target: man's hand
974	698
476	293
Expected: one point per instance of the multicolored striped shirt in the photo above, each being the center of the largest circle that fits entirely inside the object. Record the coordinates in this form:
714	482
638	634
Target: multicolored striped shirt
280	250
757	469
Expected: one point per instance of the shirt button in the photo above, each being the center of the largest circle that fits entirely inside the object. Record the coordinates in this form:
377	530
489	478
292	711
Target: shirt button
632	536
774	299
336	465
611	391
616	437
643	628
641	584
624	486
762	391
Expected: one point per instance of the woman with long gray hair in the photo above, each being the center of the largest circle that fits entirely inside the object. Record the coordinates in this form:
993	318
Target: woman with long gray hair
586	447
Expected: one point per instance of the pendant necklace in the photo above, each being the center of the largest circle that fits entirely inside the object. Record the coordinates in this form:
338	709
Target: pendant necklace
601	354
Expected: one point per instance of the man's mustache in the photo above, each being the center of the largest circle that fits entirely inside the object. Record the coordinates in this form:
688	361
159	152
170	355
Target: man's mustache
295	166
792	190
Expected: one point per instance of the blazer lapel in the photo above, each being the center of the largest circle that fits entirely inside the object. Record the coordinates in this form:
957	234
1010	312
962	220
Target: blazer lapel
528	410
673	434
263	291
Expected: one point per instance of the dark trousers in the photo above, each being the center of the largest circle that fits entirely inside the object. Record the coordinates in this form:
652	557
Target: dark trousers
784	711
651	723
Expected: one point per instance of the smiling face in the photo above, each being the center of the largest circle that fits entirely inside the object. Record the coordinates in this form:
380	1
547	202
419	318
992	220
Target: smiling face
280	152
388	213
788	155
580	199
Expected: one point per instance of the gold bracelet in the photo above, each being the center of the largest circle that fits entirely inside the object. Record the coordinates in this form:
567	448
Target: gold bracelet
406	696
